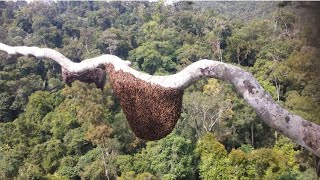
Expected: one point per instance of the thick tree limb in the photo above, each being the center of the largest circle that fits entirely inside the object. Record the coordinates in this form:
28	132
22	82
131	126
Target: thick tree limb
301	131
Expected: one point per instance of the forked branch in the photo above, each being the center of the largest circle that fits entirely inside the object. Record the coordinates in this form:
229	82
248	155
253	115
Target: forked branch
301	131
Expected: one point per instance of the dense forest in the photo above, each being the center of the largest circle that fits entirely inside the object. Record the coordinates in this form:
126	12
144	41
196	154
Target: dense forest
49	130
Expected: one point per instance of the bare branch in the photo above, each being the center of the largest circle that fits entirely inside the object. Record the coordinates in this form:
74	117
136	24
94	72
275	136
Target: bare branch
66	63
301	131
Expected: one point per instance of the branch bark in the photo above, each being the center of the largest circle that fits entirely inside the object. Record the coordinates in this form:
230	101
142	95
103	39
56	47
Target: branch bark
301	131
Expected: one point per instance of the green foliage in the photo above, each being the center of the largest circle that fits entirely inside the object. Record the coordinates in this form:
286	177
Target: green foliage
125	164
133	175
68	167
5	101
52	131
157	55
211	154
247	41
93	171
264	163
144	176
30	171
214	112
190	53
48	155
171	155
303	95
11	159
75	141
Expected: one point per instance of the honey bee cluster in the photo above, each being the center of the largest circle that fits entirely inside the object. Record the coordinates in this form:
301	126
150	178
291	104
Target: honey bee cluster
151	110
96	75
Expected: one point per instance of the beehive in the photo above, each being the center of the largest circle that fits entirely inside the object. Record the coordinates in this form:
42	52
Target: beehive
151	110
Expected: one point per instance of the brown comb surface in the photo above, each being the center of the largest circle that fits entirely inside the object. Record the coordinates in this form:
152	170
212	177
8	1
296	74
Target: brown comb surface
97	76
151	110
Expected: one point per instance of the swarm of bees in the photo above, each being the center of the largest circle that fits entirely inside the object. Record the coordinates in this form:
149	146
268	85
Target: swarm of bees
151	110
96	75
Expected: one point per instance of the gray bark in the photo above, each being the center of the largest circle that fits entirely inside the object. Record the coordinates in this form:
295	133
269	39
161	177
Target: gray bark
301	131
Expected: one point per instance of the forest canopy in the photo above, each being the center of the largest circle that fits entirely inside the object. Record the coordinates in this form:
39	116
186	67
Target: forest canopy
49	130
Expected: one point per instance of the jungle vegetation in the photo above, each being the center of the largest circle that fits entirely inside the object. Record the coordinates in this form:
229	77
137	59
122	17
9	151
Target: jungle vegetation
49	130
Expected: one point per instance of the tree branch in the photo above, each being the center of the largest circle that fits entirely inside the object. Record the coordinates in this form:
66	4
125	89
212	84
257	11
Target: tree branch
301	131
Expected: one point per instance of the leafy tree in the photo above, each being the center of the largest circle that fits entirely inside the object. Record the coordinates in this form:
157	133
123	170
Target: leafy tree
155	56
30	171
171	156
302	95
49	131
208	113
190	53
11	159
212	154
48	155
245	42
5	102
44	33
284	19
264	163
68	168
109	41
